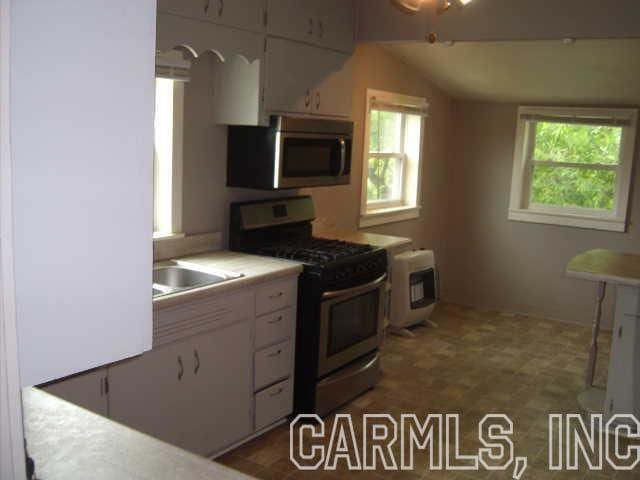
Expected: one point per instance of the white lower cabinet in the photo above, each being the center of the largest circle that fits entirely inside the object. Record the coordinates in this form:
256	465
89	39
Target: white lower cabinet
217	373
148	393
193	394
273	364
274	403
87	390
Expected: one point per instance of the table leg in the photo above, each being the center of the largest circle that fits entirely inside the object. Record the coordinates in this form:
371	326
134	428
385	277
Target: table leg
593	350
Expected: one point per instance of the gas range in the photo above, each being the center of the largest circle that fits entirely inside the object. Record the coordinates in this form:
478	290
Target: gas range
315	251
341	299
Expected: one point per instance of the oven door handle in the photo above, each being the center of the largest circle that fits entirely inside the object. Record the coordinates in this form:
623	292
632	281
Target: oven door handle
354	290
343	156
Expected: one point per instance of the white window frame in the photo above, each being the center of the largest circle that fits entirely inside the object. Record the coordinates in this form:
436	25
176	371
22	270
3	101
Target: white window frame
520	209
171	66
408	206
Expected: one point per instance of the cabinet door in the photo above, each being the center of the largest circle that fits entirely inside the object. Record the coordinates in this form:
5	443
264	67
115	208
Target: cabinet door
199	9
290	76
335	24
292	19
219	410
246	14
333	94
147	393
87	390
83	299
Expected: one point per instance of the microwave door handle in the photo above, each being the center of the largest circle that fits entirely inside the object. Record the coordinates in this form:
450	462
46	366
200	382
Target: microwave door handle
343	156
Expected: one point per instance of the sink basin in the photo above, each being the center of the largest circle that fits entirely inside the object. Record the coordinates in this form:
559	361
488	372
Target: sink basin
180	277
177	277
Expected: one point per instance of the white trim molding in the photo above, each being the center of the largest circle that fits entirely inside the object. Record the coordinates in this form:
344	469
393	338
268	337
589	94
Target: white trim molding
389	215
406	204
520	207
12	458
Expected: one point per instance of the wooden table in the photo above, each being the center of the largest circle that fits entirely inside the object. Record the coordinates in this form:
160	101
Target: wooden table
622	395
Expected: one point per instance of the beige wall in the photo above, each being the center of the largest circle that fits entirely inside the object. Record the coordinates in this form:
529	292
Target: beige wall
206	197
485	260
515	266
340	206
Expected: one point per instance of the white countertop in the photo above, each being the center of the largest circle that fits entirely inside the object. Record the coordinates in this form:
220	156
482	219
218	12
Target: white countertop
376	239
255	269
602	265
68	442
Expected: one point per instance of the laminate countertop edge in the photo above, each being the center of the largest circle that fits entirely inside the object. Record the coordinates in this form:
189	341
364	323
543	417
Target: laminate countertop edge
254	269
68	442
602	265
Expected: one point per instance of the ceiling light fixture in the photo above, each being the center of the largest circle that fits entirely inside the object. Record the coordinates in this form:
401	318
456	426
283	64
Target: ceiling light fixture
408	6
446	5
414	6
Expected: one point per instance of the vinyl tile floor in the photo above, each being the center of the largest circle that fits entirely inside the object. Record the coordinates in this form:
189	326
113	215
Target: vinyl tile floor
475	362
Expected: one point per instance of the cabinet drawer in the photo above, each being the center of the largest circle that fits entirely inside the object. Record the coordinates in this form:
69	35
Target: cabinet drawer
272	364
192	318
276	296
274	403
275	327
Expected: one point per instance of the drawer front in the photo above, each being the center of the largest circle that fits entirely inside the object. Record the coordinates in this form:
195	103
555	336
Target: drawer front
276	296
200	316
275	327
274	403
273	364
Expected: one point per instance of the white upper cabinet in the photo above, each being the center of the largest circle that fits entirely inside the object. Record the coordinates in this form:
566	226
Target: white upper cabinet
334	84
301	78
290	76
82	153
245	14
326	23
173	31
336	24
237	78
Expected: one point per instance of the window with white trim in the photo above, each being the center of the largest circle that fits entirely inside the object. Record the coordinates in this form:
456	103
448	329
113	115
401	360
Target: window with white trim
572	166
171	74
394	129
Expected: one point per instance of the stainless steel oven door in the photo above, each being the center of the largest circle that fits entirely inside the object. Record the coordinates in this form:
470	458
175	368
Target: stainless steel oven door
351	324
311	159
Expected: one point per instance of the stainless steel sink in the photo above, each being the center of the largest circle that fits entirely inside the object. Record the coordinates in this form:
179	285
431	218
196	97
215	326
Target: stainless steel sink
175	276
180	277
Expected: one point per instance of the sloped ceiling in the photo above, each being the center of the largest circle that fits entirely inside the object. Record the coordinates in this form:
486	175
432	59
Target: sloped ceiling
589	72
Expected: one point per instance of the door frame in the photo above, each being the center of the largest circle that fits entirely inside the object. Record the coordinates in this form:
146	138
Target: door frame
12	459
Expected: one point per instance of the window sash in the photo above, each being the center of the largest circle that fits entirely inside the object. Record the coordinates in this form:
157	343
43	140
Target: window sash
584	166
530	163
167	211
400	156
400	172
403	122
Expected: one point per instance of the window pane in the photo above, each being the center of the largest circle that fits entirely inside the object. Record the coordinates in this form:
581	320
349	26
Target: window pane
163	156
562	142
573	187
385	179
385	132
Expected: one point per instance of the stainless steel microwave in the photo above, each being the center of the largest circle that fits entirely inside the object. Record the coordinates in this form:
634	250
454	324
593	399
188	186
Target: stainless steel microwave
290	153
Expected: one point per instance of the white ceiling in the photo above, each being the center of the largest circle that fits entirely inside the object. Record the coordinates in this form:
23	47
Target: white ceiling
595	72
